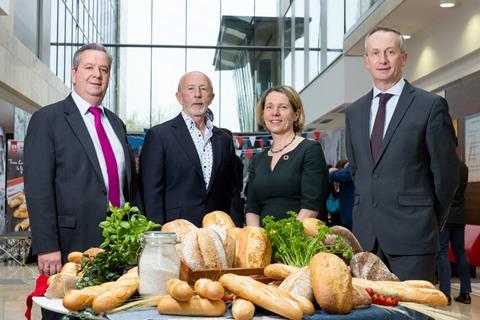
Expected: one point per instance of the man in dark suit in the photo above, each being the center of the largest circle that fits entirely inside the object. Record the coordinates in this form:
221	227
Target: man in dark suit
77	160
401	146
187	165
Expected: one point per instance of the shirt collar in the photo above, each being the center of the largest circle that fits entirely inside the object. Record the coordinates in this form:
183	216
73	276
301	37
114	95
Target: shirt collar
190	123
82	105
396	90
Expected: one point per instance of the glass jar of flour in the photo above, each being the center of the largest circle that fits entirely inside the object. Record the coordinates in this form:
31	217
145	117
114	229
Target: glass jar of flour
158	262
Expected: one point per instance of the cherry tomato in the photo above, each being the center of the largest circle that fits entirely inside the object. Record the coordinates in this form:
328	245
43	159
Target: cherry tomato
389	301
228	297
375	298
381	300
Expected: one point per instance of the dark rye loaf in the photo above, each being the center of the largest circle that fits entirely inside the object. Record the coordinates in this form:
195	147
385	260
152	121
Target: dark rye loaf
368	266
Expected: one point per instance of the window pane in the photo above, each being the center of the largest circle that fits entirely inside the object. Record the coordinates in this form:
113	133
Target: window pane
299	23
136	22
168	16
266	8
299	69
334	29
203	21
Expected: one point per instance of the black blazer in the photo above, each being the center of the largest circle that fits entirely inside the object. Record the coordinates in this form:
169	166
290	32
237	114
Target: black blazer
403	199
64	186
172	184
456	215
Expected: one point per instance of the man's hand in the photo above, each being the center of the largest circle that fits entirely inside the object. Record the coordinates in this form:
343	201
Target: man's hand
50	263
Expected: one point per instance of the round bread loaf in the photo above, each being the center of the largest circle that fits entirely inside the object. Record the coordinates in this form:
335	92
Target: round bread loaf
331	283
218	218
311	226
180	226
253	249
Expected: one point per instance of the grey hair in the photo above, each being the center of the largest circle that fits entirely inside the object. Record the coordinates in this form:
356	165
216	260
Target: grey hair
90	46
401	39
179	87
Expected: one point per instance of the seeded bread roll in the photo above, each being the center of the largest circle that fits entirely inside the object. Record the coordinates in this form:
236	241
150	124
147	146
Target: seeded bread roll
366	265
218	218
180	226
331	283
252	249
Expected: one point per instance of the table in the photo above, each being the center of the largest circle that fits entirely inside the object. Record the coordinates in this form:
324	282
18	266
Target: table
372	313
21	240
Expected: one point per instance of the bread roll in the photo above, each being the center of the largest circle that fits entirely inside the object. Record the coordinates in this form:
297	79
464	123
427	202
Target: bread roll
116	296
366	265
331	283
253	249
21	212
360	298
77	300
218	218
299	283
92	252
75	257
178	289
196	306
311	226
180	226
267	297
242	309
279	271
349	237
405	292
209	289
211	249
23	225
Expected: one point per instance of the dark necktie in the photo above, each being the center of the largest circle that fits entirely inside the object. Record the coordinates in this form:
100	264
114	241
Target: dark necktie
110	161
378	126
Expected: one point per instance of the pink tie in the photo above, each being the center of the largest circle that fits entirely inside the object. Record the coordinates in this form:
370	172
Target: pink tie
110	161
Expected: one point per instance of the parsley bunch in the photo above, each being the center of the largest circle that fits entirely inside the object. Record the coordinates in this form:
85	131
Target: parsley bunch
291	246
122	231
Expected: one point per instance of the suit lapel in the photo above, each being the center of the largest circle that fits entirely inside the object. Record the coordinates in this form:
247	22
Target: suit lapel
119	131
182	134
365	125
75	120
404	102
217	154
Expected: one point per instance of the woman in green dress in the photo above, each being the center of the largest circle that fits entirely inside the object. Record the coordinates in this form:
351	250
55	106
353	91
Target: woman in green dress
292	173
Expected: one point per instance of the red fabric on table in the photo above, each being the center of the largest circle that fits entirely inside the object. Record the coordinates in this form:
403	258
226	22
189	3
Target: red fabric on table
40	288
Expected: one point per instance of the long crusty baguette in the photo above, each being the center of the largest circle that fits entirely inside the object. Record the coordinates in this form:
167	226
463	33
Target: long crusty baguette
331	283
209	289
405	292
242	309
265	296
178	289
196	306
279	271
76	300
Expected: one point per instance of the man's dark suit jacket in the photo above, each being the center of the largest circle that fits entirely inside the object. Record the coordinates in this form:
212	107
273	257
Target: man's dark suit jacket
403	199
172	184
456	215
64	187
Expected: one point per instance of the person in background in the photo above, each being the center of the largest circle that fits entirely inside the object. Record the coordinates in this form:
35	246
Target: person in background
291	174
77	160
332	204
187	165
454	233
400	144
342	175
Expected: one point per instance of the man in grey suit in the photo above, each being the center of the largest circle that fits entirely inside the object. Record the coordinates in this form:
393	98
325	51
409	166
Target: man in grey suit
401	146
77	160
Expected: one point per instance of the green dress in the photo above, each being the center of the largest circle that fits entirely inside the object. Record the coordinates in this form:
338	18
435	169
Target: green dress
298	181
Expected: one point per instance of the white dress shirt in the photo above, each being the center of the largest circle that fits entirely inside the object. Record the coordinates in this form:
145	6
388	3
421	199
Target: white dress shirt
88	118
396	90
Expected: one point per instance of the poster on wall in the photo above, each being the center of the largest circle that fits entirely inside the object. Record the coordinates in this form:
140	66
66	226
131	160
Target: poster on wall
3	158
472	146
17	212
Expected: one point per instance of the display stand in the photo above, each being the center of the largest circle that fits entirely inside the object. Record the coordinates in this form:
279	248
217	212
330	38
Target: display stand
16	242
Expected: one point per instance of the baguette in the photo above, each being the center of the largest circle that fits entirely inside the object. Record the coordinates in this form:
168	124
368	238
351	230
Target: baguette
196	306
178	289
242	309
76	300
306	305
279	271
265	296
117	295
253	248
360	298
331	283
209	289
405	292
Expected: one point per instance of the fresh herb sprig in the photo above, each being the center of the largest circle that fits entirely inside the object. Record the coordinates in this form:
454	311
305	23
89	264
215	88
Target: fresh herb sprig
291	246
122	231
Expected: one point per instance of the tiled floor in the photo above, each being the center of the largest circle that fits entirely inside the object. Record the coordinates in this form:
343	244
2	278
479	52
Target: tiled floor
17	282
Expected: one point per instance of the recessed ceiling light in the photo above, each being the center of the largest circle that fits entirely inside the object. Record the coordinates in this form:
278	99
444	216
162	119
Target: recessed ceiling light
406	36
447	3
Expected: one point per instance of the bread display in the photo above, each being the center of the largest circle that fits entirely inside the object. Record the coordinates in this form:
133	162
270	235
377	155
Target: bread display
209	289
265	296
242	309
253	248
203	249
331	283
179	290
196	306
405	291
366	265
218	218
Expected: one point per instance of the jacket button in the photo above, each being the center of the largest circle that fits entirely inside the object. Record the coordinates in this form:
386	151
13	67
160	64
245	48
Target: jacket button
374	204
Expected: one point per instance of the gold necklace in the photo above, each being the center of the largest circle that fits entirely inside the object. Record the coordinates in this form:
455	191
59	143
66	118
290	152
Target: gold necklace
283	148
